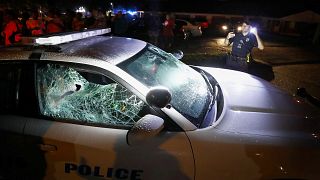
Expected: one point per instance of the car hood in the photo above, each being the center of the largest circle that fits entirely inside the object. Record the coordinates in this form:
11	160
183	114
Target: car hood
254	106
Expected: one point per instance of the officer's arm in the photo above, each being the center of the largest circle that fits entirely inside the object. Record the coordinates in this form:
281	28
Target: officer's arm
226	41
229	39
260	44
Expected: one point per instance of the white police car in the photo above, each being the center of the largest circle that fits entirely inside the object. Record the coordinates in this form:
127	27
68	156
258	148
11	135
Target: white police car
117	108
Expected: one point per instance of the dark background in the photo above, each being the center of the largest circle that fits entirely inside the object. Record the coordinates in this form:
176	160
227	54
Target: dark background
272	8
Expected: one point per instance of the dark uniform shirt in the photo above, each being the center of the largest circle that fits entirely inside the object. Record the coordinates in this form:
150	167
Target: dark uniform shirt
242	45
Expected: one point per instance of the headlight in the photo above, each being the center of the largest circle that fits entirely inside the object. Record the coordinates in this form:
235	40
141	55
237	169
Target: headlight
224	27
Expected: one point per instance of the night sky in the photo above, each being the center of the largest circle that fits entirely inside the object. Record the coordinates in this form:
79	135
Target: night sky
272	8
269	8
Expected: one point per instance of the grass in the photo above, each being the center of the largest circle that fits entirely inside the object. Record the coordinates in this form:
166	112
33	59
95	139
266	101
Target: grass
215	59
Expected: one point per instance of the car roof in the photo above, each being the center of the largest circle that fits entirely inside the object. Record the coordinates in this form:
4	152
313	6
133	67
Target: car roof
106	48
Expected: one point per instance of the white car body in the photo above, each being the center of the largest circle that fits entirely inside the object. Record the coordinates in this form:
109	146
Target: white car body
261	132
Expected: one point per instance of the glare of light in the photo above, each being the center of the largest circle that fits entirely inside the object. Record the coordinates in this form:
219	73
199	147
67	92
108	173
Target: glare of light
315	135
253	30
281	168
224	27
239	28
53	40
220	41
81	10
132	12
177	79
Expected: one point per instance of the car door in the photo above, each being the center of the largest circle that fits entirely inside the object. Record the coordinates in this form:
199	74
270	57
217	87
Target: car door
16	89
82	132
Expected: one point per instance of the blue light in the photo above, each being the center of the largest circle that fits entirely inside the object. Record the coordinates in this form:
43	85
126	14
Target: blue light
132	12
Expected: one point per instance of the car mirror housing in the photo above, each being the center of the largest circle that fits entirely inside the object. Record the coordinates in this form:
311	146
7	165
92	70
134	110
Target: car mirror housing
147	127
158	97
178	54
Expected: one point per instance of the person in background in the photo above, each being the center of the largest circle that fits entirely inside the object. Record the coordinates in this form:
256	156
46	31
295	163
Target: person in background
35	24
25	31
120	24
12	29
242	45
167	31
100	19
67	19
109	20
153	26
54	22
1	27
90	19
77	22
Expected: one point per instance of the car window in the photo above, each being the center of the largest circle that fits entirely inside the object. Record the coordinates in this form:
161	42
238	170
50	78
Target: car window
9	78
16	89
65	93
154	67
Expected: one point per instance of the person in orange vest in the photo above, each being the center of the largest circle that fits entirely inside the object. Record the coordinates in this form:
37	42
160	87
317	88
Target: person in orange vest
54	23
77	23
12	29
35	25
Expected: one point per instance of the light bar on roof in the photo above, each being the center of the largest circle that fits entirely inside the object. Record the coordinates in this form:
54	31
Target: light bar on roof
63	38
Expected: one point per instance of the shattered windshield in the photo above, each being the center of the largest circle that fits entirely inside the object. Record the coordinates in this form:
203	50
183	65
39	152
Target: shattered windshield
65	93
154	67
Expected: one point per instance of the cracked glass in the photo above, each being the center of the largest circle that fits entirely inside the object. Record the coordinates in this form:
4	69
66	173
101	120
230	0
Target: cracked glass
65	93
155	67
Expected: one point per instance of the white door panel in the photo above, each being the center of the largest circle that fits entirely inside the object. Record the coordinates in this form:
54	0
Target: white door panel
95	152
11	146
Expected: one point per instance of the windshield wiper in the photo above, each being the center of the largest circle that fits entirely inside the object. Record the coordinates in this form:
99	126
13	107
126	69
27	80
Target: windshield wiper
211	90
213	94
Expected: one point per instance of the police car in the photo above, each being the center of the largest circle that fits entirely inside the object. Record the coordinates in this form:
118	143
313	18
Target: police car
88	106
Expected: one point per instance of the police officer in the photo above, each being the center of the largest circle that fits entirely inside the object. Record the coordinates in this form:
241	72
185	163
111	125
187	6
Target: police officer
242	45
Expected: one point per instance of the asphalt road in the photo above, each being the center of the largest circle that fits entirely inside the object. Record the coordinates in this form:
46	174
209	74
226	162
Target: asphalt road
286	65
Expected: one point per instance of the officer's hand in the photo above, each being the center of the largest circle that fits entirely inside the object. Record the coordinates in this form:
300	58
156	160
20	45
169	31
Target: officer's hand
230	35
254	31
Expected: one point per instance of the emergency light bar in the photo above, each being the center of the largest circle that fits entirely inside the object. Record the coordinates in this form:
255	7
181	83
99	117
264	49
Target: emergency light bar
63	38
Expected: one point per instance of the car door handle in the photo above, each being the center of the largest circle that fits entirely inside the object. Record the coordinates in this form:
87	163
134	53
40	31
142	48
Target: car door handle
47	147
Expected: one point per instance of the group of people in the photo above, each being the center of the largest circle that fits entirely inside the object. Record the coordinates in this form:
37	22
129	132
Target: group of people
160	29
160	33
37	23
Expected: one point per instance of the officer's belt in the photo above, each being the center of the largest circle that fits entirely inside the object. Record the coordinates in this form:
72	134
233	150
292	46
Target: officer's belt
238	58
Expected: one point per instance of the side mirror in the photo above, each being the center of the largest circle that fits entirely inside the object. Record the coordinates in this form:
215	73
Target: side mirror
147	127
158	97
178	54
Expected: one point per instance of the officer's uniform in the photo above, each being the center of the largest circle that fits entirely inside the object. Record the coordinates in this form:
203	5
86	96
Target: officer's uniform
241	51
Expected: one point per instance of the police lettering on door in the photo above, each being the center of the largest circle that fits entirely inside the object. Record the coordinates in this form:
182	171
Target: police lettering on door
118	173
